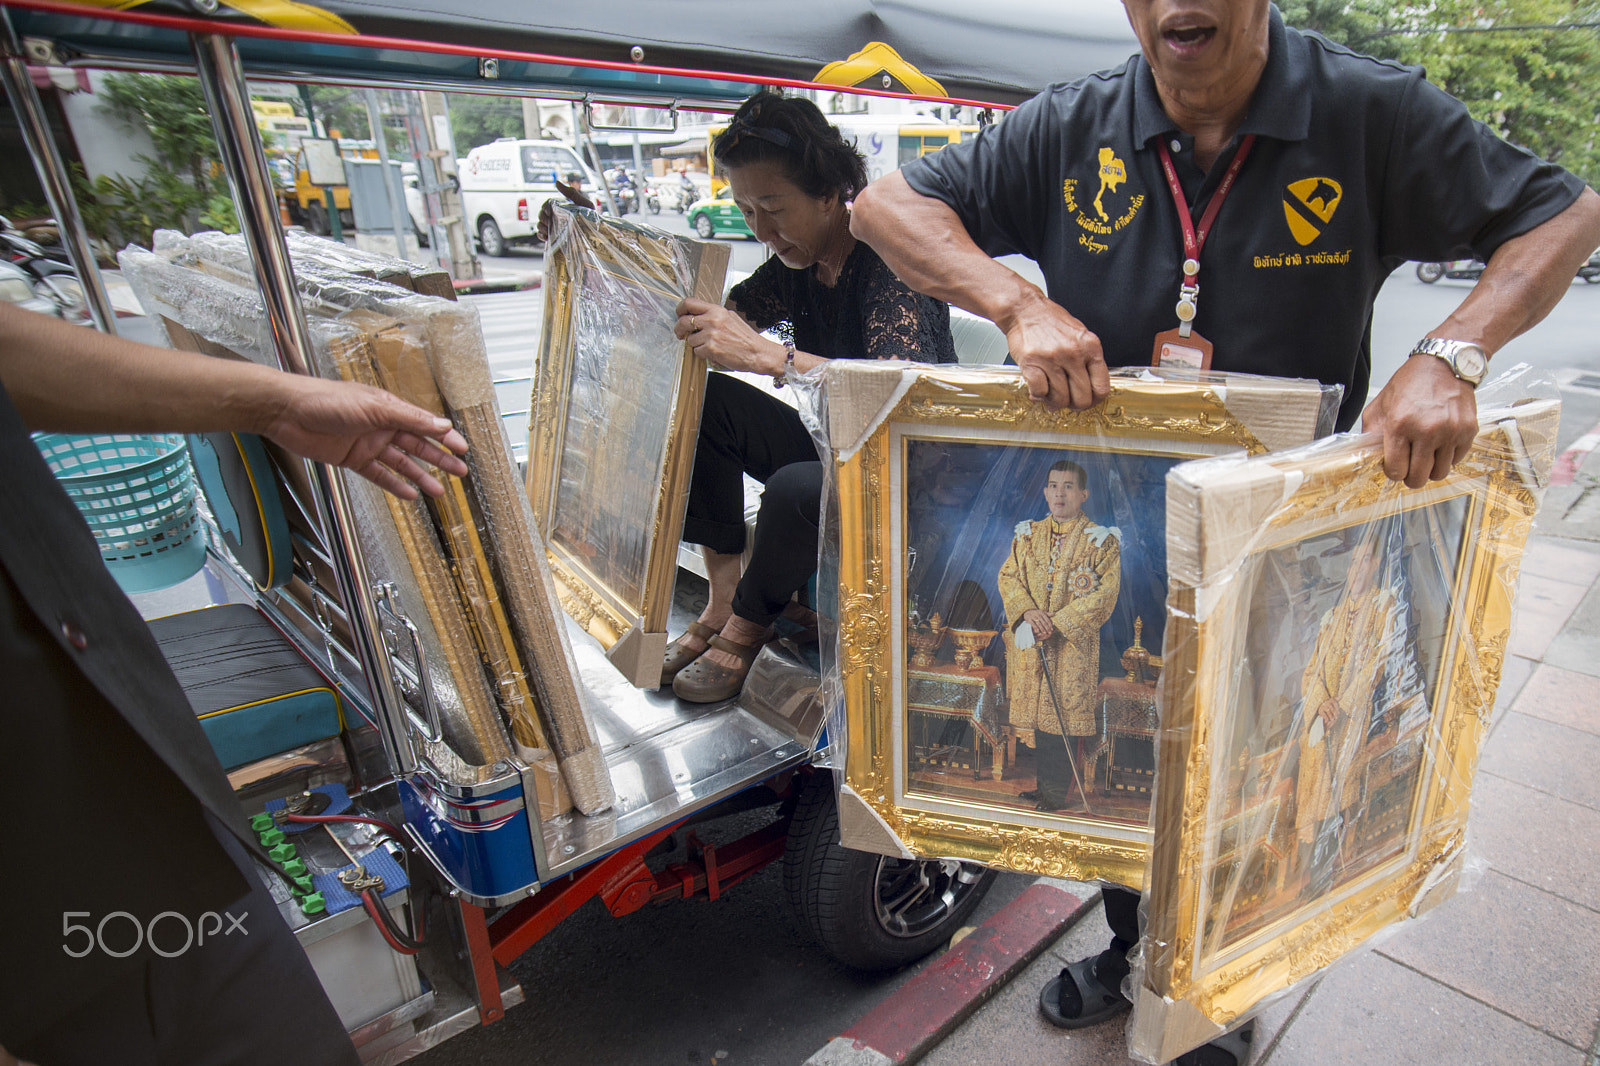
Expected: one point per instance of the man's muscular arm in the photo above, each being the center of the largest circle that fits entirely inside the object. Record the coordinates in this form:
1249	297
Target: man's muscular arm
1427	417
928	248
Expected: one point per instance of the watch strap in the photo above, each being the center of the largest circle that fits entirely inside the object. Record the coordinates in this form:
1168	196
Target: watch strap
1450	351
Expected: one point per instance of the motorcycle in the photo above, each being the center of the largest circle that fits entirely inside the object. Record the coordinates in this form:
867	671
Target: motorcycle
52	281
688	193
1590	270
1465	269
652	199
626	197
1472	270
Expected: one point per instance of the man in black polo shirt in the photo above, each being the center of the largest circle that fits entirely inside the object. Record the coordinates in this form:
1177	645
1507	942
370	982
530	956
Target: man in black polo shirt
1333	168
119	816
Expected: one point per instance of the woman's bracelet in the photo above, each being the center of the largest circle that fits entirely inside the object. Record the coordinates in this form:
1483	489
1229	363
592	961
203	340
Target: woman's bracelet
788	363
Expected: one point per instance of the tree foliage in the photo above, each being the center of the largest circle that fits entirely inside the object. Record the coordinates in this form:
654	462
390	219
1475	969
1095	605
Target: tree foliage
1538	87
183	186
476	120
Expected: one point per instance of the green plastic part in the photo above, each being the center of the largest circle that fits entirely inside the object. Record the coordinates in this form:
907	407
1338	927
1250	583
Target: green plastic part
313	904
302	886
271	838
262	822
295	868
282	853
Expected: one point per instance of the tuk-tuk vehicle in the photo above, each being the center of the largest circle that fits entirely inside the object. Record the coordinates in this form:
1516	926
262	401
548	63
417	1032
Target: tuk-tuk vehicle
474	857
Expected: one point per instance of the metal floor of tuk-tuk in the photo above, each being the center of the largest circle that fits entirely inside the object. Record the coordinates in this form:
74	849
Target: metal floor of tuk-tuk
669	759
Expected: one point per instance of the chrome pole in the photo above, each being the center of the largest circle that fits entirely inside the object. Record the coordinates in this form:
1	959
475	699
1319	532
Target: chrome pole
245	161
53	175
399	213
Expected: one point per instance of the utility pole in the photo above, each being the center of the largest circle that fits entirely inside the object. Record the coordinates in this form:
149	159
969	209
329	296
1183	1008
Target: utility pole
438	164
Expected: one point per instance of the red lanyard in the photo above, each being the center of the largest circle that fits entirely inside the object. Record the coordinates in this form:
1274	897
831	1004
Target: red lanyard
1194	241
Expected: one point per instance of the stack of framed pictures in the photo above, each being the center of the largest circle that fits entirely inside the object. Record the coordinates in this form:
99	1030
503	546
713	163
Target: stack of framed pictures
964	508
614	417
1253	685
1333	649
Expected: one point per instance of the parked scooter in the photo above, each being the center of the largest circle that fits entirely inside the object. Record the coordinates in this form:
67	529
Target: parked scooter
1472	269
1466	269
51	279
1590	271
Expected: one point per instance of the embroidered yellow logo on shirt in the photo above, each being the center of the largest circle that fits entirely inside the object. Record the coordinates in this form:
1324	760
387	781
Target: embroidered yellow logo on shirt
1106	215
1112	174
1310	206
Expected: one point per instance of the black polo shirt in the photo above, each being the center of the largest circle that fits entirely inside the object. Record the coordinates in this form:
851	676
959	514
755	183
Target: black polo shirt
1359	165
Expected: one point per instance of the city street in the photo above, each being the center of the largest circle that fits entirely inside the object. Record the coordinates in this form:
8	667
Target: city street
1566	344
736	983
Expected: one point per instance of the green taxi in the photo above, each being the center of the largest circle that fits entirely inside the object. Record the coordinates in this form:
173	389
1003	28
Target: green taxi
718	214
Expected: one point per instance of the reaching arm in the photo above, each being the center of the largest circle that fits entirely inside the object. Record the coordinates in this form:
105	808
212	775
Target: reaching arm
1427	417
925	244
67	378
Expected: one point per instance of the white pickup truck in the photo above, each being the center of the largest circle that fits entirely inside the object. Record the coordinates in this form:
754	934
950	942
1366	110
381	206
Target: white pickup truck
503	185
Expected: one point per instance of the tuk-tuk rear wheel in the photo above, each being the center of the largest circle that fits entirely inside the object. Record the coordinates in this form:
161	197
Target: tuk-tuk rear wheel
871	912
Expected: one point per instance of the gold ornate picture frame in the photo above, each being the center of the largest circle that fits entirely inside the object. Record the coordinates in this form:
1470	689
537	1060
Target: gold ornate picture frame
940	478
614	416
1334	646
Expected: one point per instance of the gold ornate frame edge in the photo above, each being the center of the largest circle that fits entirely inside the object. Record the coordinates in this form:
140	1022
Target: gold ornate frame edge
1177	412
601	612
1339	491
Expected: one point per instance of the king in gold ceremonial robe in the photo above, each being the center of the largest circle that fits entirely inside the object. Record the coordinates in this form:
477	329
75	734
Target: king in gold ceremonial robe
1061	577
1354	641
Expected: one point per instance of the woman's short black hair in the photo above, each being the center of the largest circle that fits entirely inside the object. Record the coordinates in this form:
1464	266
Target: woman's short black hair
791	131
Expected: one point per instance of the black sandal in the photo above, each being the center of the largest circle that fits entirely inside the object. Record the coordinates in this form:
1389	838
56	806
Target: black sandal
1095	1002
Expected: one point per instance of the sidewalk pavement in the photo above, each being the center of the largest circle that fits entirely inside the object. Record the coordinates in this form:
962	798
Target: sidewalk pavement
1508	973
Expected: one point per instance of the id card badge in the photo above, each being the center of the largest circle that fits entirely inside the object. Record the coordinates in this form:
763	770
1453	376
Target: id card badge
1173	349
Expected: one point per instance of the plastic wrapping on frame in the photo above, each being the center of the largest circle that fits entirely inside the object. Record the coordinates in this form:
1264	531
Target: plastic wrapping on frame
1019	585
615	414
1334	646
472	573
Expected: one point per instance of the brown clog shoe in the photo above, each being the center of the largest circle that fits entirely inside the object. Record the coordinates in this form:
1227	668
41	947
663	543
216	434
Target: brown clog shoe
678	656
707	682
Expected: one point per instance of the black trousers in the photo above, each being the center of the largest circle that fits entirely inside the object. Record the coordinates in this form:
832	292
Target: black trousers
745	431
238	1000
1122	915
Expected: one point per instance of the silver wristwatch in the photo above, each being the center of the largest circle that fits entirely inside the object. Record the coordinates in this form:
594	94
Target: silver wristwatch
1466	360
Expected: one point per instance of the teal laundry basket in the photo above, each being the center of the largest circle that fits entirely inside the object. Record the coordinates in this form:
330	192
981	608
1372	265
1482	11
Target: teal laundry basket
138	496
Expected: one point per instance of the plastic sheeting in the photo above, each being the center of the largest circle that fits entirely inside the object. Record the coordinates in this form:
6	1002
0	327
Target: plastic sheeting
1002	581
1333	646
469	573
614	416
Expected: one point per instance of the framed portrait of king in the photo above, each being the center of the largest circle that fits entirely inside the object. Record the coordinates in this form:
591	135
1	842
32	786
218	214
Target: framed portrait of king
1333	651
1002	593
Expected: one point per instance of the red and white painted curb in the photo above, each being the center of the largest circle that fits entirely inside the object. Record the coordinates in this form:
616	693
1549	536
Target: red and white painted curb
1568	462
925	1009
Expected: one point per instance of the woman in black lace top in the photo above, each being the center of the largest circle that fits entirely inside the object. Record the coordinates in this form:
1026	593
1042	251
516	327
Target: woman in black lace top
829	297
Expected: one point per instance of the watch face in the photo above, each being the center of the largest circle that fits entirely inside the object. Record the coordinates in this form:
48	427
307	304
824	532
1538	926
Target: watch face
1470	361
